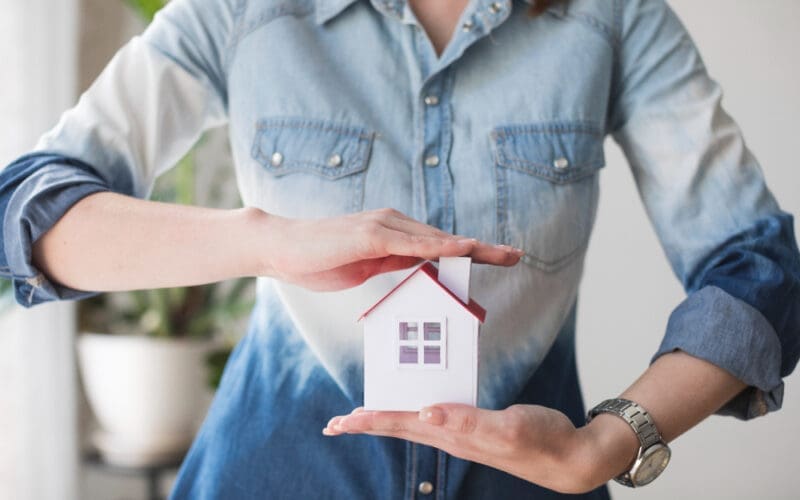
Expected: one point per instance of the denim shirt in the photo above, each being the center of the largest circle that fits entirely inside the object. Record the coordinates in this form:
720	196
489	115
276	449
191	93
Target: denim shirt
337	106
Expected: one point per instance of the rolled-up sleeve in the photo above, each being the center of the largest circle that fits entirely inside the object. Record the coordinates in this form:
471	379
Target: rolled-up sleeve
34	193
724	234
147	108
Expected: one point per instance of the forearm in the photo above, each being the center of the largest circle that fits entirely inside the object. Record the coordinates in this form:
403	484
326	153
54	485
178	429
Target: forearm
109	242
678	390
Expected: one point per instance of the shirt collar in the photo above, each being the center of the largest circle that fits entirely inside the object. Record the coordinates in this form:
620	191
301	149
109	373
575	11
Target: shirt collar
328	9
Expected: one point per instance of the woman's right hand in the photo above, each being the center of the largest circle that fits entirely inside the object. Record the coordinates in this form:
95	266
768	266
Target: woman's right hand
342	252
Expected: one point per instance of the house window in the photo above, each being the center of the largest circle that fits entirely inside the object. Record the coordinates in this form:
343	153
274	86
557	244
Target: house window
426	350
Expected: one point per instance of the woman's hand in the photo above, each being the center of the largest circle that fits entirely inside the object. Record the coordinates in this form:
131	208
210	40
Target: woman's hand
534	443
342	252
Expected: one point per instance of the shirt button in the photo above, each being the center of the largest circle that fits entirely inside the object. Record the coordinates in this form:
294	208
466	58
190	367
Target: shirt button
276	159
561	163
467	26
335	160
495	7
431	100
425	487
432	161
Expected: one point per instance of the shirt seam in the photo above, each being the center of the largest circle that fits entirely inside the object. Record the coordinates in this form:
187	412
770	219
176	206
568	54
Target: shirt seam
606	32
230	46
244	29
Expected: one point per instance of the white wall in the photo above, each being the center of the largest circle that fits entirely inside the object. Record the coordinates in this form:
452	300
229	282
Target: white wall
629	290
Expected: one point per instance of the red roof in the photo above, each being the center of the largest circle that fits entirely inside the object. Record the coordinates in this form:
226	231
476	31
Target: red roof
428	269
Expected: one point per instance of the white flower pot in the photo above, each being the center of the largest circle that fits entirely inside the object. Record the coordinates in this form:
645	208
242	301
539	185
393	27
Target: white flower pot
149	395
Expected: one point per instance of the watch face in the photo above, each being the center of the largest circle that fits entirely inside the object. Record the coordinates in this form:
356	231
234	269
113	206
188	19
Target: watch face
653	462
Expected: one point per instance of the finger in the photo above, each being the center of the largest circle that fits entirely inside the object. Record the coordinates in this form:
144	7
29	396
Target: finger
332	427
399	425
409	426
391	421
499	255
482	252
398	221
388	232
431	247
430	423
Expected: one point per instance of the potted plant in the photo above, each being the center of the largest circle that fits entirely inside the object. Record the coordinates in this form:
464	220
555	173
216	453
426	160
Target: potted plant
149	358
148	376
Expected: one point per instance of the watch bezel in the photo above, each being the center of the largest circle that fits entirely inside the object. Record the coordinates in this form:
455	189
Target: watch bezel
645	456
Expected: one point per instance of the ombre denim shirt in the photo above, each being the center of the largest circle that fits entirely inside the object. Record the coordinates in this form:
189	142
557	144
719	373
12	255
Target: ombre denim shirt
338	106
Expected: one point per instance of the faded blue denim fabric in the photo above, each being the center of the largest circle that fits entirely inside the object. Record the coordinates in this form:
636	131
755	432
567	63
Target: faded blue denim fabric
336	106
35	192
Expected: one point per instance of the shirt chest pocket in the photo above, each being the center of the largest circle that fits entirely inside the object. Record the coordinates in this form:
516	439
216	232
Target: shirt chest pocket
310	168
547	189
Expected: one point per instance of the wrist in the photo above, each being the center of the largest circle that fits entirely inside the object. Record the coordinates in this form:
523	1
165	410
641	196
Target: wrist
608	448
260	247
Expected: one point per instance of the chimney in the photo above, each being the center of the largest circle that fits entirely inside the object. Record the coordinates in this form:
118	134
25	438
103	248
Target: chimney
454	274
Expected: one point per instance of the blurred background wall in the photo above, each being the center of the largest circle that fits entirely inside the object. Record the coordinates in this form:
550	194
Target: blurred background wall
629	290
53	49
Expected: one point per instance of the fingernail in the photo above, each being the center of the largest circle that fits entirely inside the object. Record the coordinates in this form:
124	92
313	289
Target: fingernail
511	249
431	415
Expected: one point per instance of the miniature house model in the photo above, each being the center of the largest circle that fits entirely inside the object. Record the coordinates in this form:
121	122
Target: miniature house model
421	340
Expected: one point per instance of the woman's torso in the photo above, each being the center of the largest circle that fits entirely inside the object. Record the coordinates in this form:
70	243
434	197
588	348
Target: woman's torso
341	106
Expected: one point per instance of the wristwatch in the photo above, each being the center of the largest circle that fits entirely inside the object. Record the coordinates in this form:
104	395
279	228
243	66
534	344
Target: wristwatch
653	455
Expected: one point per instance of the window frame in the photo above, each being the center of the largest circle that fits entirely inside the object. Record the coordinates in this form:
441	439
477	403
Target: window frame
420	343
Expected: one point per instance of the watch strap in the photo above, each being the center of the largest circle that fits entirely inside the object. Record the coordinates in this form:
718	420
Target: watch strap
636	416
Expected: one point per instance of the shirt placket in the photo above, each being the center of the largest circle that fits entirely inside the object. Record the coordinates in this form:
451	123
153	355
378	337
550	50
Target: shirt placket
434	109
435	133
426	467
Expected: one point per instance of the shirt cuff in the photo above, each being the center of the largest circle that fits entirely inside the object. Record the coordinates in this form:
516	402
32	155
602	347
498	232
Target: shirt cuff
721	329
36	205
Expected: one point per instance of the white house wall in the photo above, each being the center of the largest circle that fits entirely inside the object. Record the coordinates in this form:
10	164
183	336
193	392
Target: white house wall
390	387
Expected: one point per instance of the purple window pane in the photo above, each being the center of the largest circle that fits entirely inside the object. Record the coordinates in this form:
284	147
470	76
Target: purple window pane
408	330
432	331
433	355
408	355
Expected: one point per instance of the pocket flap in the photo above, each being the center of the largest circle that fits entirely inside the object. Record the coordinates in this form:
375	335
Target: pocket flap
292	145
558	153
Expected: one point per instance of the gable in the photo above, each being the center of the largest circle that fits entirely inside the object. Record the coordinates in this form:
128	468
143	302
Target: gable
425	275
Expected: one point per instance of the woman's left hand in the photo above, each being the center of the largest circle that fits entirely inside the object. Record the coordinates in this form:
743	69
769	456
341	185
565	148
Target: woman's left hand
535	443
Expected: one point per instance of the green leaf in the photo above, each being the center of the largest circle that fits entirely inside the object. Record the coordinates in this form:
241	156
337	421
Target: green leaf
146	8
